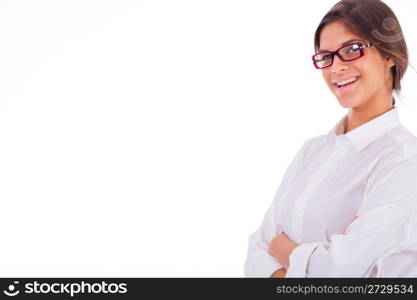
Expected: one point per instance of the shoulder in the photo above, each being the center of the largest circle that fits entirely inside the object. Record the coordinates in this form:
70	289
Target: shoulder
396	147
404	142
396	168
312	144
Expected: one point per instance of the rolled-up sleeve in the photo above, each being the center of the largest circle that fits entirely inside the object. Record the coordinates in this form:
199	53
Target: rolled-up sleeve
388	207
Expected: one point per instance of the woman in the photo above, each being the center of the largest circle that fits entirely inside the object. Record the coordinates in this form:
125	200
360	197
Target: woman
347	205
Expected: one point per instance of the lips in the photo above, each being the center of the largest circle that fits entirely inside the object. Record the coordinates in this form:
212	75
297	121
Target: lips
346	83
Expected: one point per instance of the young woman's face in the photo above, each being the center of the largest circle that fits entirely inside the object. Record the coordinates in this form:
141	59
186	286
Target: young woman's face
371	71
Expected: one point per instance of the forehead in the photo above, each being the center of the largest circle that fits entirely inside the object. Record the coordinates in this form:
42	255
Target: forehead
335	34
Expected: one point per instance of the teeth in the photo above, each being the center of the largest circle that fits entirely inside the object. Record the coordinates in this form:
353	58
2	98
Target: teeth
343	83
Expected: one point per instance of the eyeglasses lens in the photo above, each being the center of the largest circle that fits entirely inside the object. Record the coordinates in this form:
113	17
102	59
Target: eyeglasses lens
349	52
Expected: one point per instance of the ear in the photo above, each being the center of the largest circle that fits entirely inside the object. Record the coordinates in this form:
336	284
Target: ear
389	62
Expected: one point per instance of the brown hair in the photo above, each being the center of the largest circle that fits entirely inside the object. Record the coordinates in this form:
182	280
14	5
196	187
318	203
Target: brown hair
376	22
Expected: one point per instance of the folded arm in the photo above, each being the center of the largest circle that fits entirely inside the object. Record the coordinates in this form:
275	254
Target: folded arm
388	209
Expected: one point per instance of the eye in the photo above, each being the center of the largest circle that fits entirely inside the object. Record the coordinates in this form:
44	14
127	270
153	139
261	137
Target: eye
324	56
353	48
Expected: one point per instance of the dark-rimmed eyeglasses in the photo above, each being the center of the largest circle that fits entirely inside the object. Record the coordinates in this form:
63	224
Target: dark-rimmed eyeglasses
347	52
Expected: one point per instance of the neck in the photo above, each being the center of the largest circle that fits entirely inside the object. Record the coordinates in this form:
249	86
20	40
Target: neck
368	111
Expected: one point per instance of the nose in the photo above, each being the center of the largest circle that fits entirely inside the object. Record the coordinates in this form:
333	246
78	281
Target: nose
338	64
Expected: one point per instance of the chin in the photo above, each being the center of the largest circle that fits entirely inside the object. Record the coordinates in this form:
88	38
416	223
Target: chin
347	102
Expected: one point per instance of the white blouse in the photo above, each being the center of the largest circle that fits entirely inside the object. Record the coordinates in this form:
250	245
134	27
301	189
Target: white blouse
369	172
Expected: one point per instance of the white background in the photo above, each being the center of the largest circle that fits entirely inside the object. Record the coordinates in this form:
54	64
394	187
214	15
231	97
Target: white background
147	138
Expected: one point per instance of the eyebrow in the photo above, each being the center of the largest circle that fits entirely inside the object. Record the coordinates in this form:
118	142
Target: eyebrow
344	43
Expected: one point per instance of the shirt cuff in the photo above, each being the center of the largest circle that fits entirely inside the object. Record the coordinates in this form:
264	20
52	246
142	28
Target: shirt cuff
261	264
299	259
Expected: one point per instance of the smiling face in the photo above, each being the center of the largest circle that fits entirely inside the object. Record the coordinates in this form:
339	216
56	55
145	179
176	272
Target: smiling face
371	73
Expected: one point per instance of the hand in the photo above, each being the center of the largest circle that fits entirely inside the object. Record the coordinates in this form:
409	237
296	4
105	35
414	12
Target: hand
280	273
281	247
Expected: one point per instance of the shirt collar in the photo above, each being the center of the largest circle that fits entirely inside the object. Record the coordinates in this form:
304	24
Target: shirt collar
368	132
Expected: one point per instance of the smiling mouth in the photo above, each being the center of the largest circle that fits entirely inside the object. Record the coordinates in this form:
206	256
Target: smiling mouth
345	85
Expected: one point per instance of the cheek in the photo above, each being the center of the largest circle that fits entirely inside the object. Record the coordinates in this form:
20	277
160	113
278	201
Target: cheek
372	71
373	77
326	76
